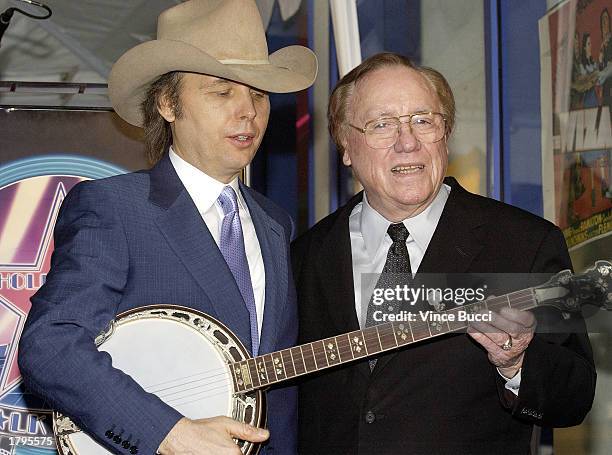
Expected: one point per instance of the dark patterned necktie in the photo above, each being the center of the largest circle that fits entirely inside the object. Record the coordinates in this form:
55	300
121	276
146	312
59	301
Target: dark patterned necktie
231	244
397	271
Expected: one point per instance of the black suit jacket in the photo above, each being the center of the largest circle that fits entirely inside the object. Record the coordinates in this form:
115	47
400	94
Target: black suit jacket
442	395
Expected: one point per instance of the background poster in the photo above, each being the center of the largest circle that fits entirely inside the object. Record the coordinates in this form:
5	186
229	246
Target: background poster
43	154
576	81
575	58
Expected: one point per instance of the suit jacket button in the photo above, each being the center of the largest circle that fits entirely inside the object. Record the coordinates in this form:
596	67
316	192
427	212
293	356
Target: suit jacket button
126	444
109	434
133	450
370	417
117	439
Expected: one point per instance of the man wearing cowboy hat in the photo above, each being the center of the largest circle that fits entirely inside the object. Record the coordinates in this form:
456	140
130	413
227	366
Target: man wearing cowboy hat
185	232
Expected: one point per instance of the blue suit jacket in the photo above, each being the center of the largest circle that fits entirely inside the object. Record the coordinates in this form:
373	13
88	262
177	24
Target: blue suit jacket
135	240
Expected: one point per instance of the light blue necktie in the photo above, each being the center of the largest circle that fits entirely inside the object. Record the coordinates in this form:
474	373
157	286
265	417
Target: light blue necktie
231	244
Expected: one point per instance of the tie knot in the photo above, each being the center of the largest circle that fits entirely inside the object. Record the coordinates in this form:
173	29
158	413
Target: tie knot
228	200
398	232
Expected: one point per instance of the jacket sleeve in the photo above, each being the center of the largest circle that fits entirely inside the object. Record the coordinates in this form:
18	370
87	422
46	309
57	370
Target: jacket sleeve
57	355
558	375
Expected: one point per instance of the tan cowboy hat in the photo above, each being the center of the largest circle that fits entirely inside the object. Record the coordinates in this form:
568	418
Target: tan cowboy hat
223	38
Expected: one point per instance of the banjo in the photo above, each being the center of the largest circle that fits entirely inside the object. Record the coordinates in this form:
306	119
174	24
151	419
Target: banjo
227	381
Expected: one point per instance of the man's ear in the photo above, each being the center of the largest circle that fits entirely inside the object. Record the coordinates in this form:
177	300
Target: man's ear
164	107
346	159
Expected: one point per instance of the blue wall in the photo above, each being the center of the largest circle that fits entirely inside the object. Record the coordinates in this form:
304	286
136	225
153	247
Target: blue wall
274	169
520	103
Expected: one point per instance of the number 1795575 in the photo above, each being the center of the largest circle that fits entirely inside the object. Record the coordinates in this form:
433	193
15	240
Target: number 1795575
39	441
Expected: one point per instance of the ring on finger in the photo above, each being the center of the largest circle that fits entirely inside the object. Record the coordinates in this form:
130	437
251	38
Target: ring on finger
508	344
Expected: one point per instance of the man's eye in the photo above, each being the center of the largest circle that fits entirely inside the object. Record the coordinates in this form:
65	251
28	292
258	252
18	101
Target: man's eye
258	95
381	125
224	93
422	121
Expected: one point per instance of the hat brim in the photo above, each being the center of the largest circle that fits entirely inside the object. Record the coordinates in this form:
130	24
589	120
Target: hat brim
290	69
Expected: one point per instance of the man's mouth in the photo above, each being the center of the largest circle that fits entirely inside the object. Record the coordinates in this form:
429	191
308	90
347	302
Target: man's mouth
243	137
408	169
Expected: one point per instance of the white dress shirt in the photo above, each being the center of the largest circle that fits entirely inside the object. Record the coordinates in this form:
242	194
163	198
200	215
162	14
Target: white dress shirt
204	191
370	244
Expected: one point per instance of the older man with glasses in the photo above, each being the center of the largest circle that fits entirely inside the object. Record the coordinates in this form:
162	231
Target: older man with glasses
482	394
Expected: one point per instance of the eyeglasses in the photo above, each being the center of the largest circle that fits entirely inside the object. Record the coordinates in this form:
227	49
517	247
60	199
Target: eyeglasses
382	133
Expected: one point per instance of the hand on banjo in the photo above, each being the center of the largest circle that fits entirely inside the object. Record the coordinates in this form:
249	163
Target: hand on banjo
209	436
505	338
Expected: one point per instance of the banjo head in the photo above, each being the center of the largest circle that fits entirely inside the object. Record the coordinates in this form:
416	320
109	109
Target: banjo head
180	355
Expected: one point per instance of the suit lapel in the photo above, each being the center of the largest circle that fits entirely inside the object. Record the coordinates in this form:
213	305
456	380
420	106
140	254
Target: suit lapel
187	234
454	244
336	275
273	243
336	271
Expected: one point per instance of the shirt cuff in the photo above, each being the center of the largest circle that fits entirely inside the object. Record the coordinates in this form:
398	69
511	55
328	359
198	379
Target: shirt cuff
514	383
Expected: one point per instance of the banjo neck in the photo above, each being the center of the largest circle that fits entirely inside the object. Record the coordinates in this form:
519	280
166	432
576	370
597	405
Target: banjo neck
564	291
279	366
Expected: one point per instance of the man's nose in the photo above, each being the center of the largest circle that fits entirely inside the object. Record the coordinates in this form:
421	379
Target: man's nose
246	106
406	141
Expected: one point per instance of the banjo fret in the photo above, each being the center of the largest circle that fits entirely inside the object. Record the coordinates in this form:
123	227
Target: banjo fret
237	377
370	338
269	363
403	331
420	330
288	362
331	351
314	357
358	348
262	374
246	375
279	366
456	324
318	349
308	356
344	348
253	370
386	337
298	360
241	376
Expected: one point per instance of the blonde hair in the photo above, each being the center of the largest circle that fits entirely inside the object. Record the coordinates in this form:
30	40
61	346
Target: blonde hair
157	131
